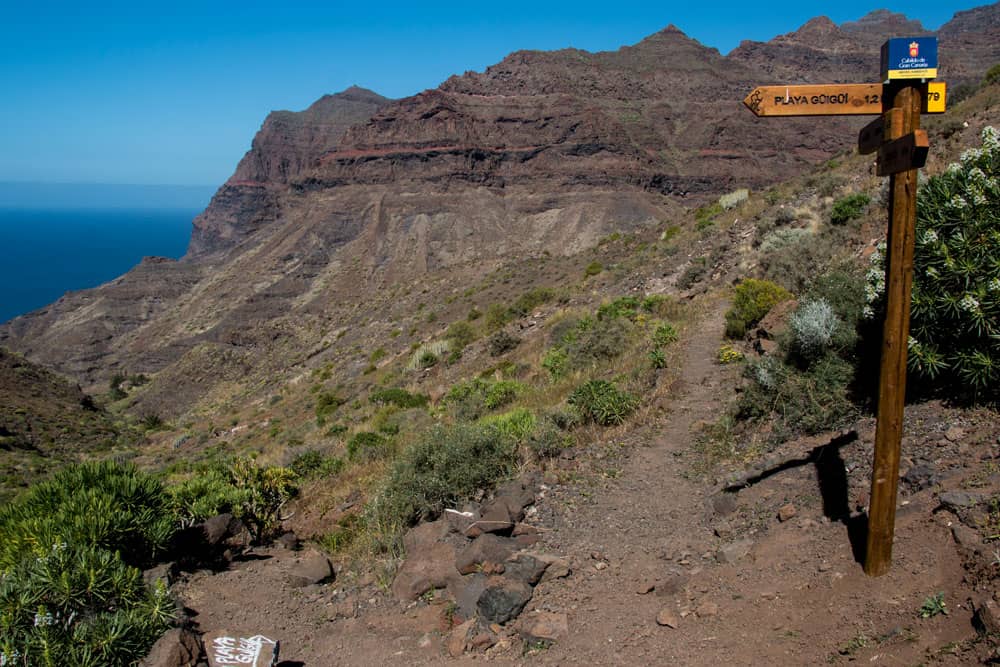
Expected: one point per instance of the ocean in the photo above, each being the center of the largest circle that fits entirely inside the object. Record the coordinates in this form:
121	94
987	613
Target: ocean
45	252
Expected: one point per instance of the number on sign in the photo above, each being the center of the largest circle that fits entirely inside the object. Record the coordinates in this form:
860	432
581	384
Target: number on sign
871	99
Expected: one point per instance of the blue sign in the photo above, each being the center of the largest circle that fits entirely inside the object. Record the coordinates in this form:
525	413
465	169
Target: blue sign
909	58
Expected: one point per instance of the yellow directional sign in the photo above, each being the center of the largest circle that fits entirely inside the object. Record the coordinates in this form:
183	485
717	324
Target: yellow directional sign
936	93
831	99
828	99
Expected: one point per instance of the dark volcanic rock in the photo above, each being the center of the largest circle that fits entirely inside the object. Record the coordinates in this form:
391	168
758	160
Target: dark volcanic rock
503	600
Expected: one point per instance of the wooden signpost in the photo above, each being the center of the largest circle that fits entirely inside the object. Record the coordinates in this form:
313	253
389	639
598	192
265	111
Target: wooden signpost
902	147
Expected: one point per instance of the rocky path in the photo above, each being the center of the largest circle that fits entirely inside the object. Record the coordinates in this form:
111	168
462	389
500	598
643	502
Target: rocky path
642	538
671	572
665	569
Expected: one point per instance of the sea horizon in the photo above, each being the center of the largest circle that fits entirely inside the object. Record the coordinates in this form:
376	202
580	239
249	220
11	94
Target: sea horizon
59	238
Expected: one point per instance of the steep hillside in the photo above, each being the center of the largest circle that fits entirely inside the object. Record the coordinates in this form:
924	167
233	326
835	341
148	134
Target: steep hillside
45	422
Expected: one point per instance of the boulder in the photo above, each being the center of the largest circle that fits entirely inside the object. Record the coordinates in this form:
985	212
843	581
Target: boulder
178	647
526	568
543	626
987	615
503	599
514	496
734	551
290	541
310	568
427	568
487	548
667	618
459	521
220	528
955	501
458	638
724	504
467	593
429	564
786	512
920	477
164	572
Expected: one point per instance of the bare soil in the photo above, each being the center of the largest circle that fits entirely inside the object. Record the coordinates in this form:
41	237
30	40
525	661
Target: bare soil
646	535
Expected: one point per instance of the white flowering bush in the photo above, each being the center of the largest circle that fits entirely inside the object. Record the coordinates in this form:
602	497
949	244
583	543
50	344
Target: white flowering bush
813	326
955	310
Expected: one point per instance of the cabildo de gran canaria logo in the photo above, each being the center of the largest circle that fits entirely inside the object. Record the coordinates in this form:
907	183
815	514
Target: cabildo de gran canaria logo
909	58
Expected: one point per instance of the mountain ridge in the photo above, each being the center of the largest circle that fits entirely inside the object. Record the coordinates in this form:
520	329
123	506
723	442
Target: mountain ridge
543	152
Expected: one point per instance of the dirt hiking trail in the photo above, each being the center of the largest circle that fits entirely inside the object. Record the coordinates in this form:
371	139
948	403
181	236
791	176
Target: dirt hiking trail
667	569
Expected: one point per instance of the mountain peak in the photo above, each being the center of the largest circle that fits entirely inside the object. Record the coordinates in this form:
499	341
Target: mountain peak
882	24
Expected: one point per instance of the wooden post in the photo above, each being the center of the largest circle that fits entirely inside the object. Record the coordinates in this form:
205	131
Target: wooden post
907	97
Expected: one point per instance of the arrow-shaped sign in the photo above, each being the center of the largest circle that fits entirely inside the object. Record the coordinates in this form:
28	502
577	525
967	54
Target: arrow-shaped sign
831	99
828	99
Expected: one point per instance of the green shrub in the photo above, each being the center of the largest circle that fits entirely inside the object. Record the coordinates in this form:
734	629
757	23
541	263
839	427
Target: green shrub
530	300
515	425
105	505
654	302
501	393
704	215
597	341
547	441
496	317
71	592
625	306
954	344
460	334
377	355
992	75
366	446
752	301
79	605
445	467
266	490
593	269
848	208
204	495
326	404
471	399
664	335
313	463
501	342
556	362
398	397
657	358
798	401
602	402
693	273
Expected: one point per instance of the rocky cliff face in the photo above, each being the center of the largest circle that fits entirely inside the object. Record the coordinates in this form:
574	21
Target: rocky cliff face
542	152
287	144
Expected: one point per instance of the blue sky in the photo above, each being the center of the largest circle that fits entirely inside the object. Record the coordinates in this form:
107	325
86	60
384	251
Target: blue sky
172	93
